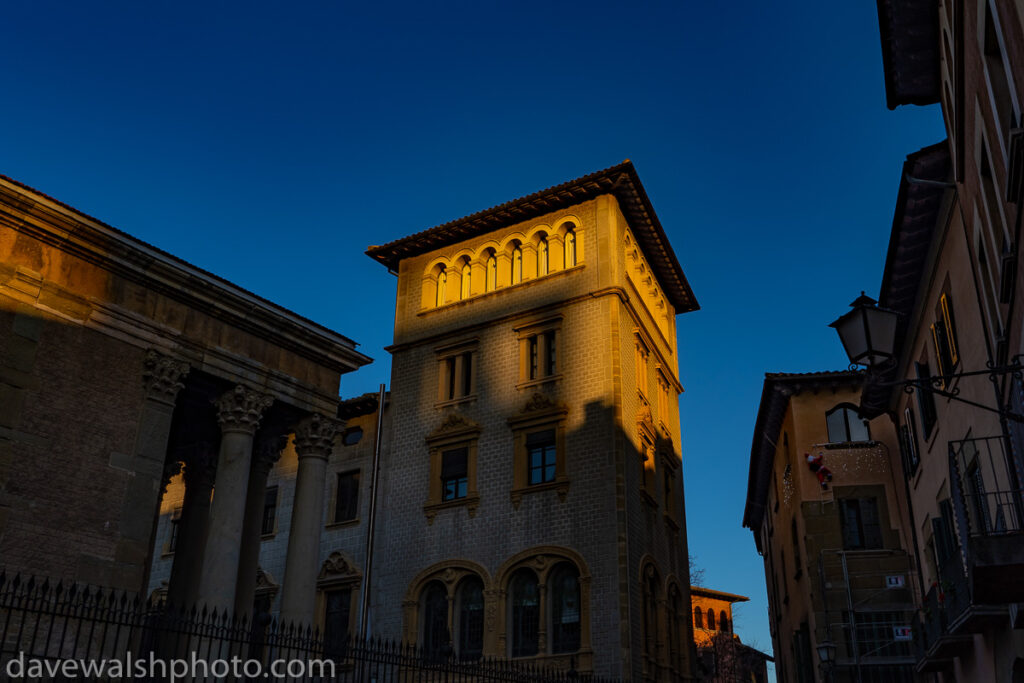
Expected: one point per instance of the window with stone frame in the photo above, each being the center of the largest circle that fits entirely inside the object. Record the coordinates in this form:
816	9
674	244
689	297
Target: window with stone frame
563	587
456	372
538	443
540	351
454	473
346	502
337	593
452	450
445	610
524	614
435	637
469	618
944	338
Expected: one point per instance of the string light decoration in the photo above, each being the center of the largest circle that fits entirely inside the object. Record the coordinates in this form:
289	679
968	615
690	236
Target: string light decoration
788	488
852	461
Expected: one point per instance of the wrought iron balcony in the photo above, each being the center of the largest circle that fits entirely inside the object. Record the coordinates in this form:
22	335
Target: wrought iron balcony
989	513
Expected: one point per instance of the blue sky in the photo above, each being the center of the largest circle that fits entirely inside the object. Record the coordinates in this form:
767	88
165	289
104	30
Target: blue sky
271	143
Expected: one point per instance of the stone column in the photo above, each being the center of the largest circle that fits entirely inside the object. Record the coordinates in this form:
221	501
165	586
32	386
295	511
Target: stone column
267	452
314	439
200	468
162	380
239	412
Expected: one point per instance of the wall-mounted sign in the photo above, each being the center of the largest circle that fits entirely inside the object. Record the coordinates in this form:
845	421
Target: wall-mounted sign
894	581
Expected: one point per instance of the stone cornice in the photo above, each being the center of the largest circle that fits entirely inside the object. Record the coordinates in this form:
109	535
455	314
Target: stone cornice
62	227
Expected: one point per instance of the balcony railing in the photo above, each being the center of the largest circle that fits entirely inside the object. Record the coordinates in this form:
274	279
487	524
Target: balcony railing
989	513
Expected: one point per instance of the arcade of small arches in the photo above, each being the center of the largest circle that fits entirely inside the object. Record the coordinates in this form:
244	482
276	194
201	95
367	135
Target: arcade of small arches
705	620
517	258
536	606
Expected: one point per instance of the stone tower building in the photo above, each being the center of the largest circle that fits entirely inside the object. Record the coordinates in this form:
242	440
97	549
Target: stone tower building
532	492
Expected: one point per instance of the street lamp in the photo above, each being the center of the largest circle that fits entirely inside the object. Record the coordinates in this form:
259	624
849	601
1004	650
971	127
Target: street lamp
868	332
827	657
827	651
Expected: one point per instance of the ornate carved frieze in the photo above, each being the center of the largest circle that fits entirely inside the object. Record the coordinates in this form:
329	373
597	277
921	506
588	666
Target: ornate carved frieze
162	376
314	435
241	409
454	425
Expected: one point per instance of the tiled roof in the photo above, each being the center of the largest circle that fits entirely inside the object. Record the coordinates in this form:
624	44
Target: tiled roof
621	181
909	30
913	228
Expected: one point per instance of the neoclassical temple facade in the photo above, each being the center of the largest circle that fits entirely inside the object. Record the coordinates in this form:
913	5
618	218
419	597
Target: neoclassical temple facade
533	484
122	367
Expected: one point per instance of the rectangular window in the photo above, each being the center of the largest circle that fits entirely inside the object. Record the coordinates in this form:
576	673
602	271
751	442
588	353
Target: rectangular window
457	375
337	612
454	473
908	442
346	503
925	400
944	337
542	355
534	357
540	349
942	533
269	511
670	499
860	525
541	456
549	353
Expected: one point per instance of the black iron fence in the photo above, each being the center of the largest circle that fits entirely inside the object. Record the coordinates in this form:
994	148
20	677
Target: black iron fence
66	631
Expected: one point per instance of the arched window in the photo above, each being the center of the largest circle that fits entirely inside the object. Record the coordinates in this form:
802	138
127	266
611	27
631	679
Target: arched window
524	613
698	617
723	622
467	275
517	264
442	286
570	247
542	257
491	281
844	424
711	619
470	611
564	588
434	608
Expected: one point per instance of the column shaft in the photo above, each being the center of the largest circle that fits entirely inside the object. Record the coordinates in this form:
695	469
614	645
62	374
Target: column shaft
239	413
314	439
268	450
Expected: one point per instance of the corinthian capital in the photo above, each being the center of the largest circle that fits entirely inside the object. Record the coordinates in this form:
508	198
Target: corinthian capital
241	409
314	435
162	375
267	450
